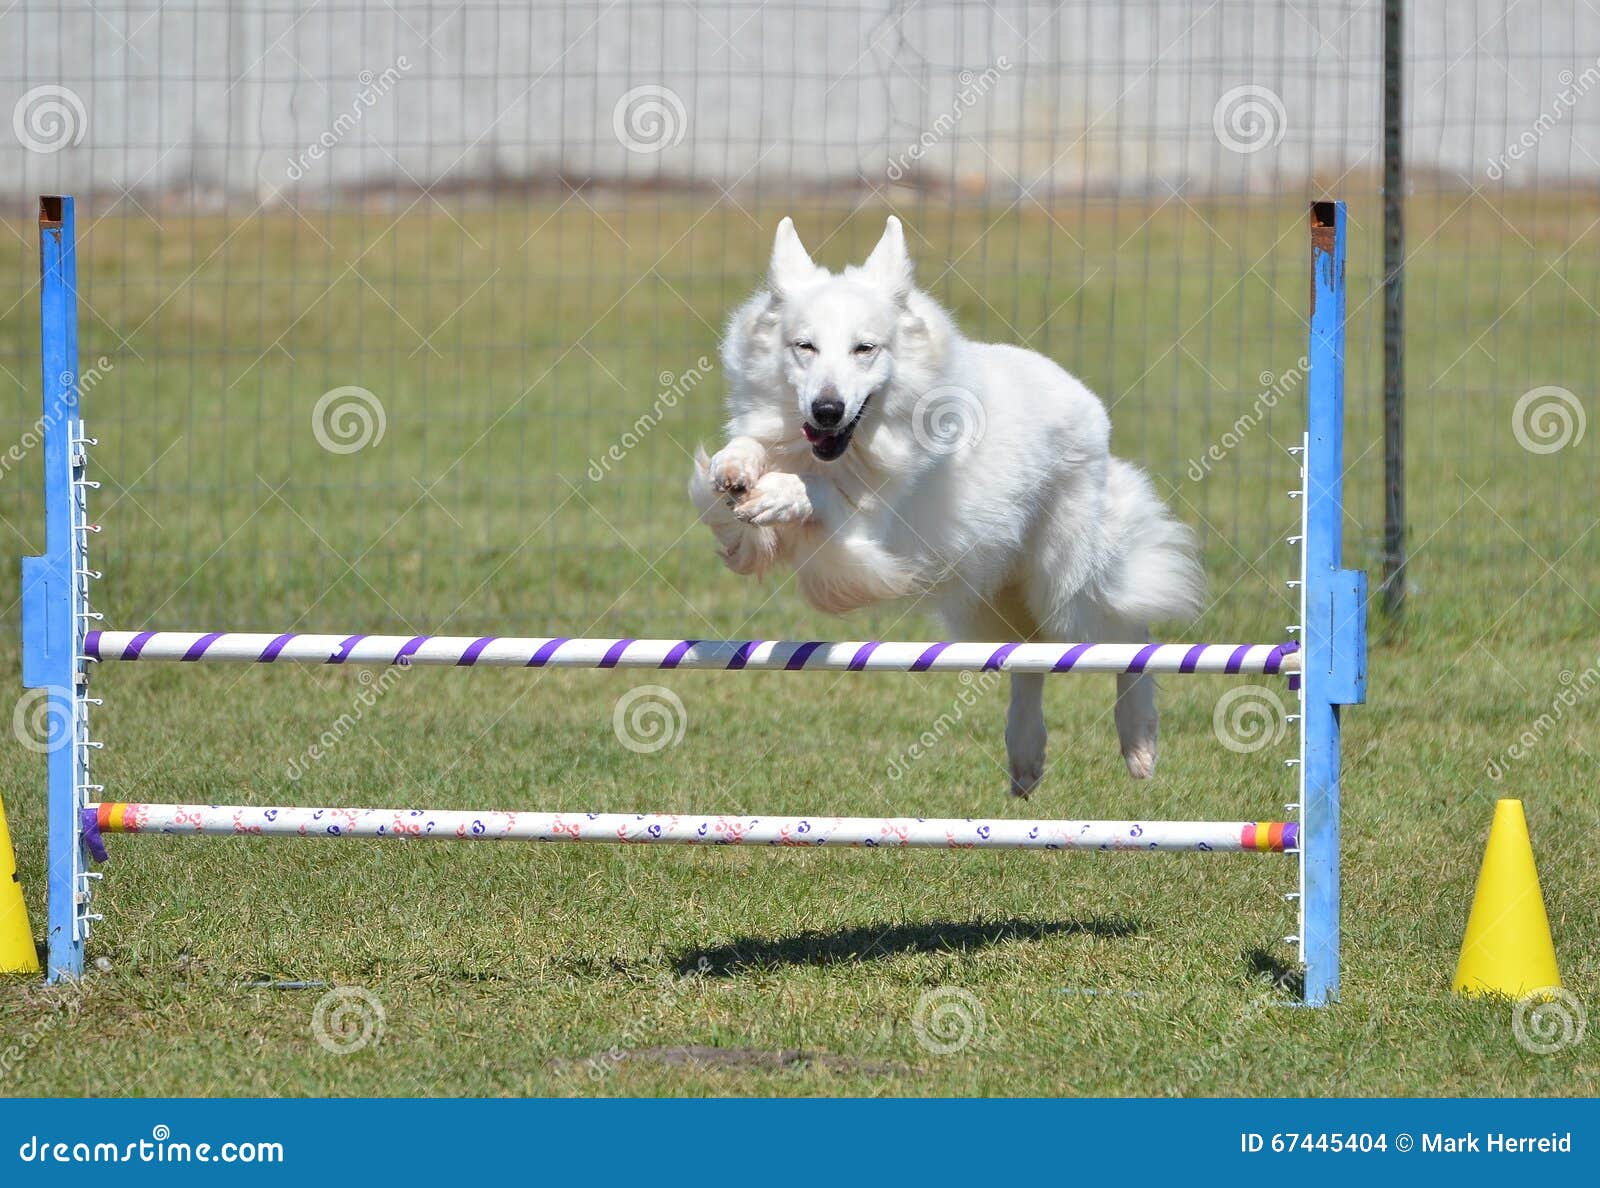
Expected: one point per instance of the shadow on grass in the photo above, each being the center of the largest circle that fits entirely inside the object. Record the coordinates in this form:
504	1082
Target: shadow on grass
1266	966
874	943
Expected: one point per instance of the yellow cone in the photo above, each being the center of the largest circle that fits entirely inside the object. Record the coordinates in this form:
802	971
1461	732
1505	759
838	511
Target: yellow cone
1507	949
17	954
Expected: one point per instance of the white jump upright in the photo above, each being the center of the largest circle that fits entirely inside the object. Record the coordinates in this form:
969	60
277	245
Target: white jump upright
62	644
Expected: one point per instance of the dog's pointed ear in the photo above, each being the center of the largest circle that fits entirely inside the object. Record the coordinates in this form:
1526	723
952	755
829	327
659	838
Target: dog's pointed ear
791	266
889	266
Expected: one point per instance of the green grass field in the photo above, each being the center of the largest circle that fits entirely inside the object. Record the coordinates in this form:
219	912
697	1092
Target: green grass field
511	351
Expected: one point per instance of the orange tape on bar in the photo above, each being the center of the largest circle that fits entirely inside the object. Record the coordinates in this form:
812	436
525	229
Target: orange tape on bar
1265	837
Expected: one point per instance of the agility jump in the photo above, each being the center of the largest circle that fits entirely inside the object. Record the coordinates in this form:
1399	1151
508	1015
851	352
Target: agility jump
63	643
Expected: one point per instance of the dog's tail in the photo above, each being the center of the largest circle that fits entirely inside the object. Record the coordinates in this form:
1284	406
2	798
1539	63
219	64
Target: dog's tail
1158	575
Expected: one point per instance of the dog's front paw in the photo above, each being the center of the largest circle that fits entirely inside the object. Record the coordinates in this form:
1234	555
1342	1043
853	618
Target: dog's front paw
735	470
776	498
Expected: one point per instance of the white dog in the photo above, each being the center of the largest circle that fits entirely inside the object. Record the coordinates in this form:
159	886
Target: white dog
881	454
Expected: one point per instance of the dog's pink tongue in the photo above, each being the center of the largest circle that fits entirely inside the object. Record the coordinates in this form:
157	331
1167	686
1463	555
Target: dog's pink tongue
812	435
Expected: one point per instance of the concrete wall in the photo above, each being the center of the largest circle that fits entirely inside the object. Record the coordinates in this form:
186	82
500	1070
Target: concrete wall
256	100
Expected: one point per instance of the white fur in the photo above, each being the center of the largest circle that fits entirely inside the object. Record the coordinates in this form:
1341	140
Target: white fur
1025	530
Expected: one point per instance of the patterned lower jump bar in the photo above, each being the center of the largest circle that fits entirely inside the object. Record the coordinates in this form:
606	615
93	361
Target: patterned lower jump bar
761	655
1266	837
687	828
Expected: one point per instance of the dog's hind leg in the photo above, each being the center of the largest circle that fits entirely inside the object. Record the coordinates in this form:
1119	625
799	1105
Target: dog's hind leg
1135	713
1026	735
1135	710
1137	723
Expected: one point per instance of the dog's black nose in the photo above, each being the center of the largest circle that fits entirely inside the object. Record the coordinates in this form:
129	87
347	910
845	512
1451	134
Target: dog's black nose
827	412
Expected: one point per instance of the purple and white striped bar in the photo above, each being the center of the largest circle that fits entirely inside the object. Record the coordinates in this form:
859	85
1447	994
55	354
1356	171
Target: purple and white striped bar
506	651
200	820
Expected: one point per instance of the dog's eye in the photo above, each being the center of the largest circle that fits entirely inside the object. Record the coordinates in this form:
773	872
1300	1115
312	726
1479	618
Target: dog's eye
865	348
803	345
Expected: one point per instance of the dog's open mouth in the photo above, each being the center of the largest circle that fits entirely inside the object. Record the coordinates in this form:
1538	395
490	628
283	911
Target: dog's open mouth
829	445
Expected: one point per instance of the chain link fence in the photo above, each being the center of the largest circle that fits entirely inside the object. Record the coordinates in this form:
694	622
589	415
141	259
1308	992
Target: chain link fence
404	315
